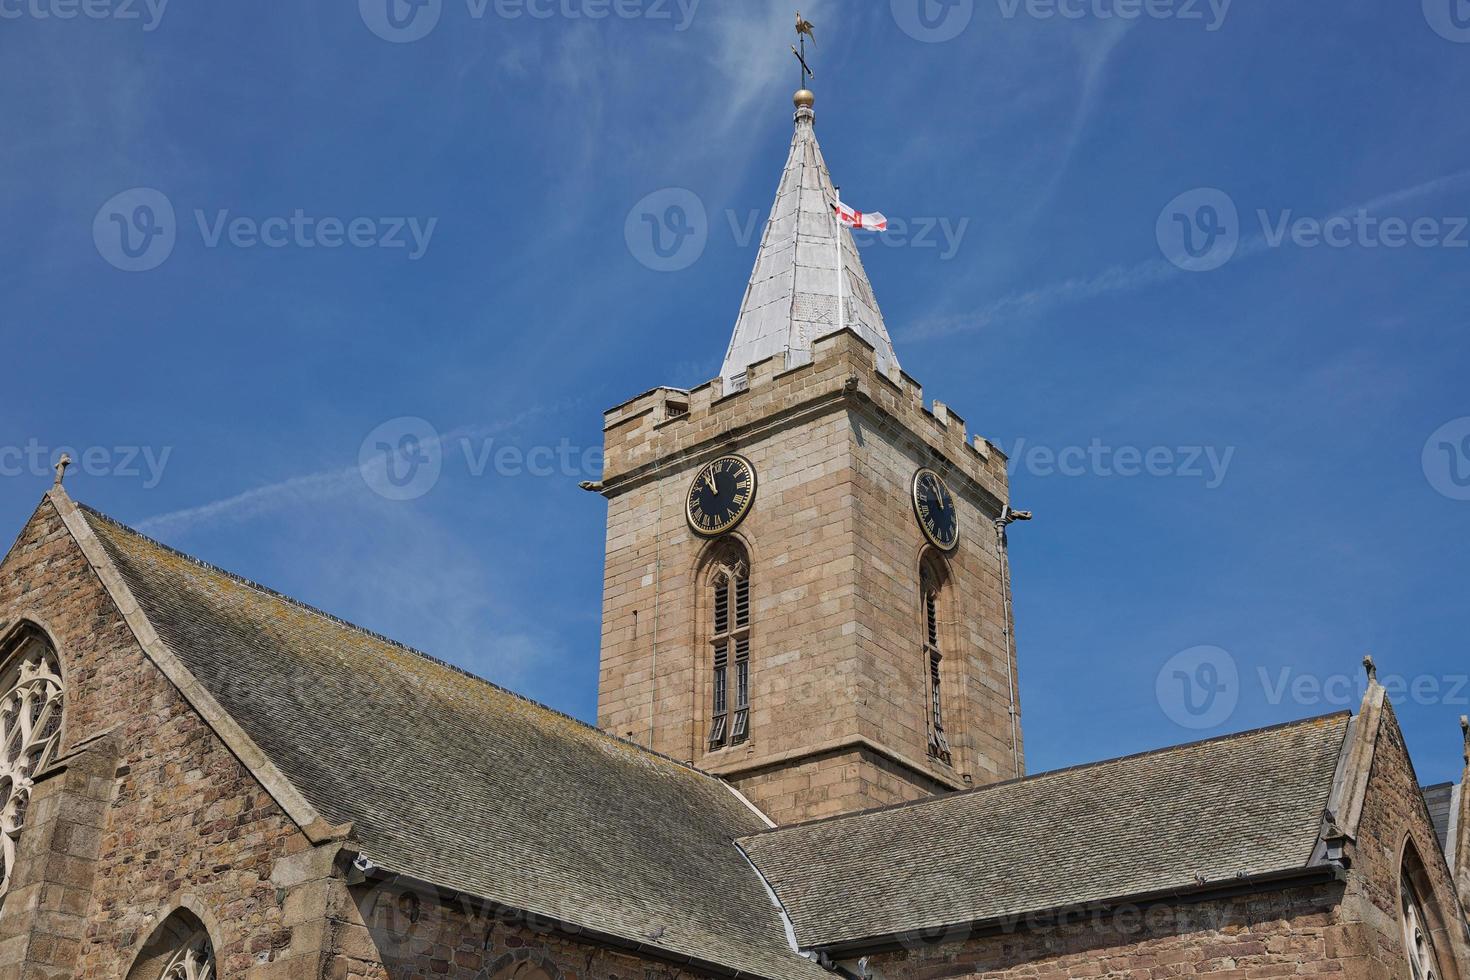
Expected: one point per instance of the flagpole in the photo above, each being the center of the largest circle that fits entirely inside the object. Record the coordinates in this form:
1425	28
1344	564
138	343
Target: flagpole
837	237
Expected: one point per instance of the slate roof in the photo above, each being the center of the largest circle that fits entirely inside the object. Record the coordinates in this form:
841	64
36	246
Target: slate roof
1249	803
791	299
453	781
1440	799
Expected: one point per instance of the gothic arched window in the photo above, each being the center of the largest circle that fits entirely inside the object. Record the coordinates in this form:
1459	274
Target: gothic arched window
30	730
729	612
931	589
180	949
192	961
1418	931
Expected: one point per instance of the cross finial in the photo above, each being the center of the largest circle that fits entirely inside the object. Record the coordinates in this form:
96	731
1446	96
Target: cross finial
1371	668
1465	730
61	465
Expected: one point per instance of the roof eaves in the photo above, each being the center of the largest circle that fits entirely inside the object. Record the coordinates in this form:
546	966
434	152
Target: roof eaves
1040	918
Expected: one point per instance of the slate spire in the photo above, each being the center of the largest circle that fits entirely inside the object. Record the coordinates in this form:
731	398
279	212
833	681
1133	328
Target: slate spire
792	296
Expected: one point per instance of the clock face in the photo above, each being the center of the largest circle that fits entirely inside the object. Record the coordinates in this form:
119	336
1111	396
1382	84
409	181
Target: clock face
720	495
934	506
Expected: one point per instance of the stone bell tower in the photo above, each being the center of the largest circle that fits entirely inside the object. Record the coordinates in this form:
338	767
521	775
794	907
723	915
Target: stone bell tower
805	633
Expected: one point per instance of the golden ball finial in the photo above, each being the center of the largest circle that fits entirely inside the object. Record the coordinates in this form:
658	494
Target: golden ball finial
804	98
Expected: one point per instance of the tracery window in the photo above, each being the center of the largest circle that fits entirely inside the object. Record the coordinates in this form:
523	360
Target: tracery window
30	730
180	949
729	611
930	589
193	960
1418	934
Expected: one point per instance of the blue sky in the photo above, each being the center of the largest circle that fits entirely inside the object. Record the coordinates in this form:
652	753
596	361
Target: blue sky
1244	435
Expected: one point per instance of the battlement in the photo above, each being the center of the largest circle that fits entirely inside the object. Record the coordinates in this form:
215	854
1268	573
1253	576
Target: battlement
668	425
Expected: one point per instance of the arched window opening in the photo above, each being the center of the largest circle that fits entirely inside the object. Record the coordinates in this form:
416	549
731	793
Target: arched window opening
522	964
180	949
30	732
1418	927
729	584
931	587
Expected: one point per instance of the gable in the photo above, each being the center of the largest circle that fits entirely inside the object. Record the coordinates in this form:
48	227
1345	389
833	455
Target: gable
460	784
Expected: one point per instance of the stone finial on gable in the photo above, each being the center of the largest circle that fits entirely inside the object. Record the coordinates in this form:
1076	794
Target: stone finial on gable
1465	731
1372	670
61	465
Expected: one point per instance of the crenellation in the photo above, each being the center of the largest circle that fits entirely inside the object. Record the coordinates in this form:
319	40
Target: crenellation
641	431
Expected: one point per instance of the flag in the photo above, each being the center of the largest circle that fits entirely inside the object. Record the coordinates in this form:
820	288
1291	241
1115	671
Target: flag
873	221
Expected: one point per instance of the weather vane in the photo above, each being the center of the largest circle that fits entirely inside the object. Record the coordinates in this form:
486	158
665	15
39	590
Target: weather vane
803	31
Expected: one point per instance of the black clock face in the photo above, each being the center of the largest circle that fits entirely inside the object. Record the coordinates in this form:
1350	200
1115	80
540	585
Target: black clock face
721	495
934	506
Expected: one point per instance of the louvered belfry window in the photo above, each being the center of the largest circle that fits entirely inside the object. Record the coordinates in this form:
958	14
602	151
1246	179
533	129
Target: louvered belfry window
730	640
933	659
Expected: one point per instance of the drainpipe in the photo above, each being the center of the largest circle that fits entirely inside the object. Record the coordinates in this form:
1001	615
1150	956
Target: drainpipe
1006	519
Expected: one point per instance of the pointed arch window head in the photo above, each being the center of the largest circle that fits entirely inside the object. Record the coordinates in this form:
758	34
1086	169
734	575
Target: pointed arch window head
729	584
931	587
31	701
1417	931
180	949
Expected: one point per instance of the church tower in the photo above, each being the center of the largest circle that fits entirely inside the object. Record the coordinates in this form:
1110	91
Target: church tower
805	589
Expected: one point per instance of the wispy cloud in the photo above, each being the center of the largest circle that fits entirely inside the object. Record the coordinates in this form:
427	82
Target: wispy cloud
316	487
1130	278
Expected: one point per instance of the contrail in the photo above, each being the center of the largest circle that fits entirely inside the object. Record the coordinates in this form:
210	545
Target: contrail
1122	279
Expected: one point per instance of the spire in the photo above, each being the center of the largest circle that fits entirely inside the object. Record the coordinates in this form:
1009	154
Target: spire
792	296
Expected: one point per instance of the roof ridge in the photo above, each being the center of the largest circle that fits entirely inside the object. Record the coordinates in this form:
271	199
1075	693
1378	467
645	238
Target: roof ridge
930	800
413	651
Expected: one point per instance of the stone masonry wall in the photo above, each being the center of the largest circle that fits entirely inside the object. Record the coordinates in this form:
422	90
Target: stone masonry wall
184	818
813	786
1281	934
838	672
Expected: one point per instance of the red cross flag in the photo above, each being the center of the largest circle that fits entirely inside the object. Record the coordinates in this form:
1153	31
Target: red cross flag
857	219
